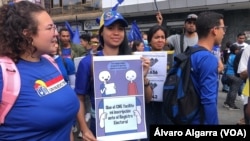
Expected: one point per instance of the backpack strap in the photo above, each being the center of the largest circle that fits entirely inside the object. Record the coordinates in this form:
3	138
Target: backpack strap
181	42
12	83
193	50
52	60
190	50
11	86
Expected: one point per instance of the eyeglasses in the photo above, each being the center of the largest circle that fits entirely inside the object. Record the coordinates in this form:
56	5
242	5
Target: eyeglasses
94	43
52	27
223	27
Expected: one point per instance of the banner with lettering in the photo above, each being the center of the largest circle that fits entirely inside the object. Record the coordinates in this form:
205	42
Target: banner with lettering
119	97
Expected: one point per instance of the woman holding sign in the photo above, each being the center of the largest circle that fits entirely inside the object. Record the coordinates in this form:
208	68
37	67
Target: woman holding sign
113	39
157	35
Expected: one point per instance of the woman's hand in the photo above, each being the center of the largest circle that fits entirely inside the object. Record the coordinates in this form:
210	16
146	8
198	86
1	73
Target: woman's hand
159	18
146	65
88	136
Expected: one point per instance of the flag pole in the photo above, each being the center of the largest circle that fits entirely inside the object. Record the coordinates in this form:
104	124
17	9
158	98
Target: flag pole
156	5
76	22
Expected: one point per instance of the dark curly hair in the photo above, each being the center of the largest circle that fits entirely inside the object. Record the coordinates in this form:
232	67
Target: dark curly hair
14	19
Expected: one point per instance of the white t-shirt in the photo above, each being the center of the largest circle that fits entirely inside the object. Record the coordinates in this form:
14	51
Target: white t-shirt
243	66
244	60
242	46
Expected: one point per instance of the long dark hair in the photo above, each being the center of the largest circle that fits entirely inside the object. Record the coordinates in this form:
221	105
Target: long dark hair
14	18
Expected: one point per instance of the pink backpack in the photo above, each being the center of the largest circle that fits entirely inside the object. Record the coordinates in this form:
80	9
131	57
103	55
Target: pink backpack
11	84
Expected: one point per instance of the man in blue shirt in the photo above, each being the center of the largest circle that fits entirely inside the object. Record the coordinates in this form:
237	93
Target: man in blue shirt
210	29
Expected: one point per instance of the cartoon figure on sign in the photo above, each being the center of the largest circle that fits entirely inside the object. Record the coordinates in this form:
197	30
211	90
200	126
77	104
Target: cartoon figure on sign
106	88
132	87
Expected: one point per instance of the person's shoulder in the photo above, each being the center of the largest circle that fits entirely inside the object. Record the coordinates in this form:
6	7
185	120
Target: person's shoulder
235	43
247	48
76	46
174	36
99	53
87	58
247	45
203	53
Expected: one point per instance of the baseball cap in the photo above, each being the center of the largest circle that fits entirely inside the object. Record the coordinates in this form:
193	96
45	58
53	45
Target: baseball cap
191	17
110	17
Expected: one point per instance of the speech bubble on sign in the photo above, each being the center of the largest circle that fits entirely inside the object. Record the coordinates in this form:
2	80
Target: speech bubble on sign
118	65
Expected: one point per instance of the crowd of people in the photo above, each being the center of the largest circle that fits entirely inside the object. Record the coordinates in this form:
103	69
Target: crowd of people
52	102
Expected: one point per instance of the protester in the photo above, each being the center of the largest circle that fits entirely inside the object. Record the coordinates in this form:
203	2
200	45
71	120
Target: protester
240	41
69	49
226	53
84	41
94	43
137	46
67	68
113	39
145	41
241	37
46	106
66	65
179	42
157	38
210	29
234	81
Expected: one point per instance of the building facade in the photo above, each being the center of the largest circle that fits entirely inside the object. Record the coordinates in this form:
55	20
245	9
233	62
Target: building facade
236	13
83	13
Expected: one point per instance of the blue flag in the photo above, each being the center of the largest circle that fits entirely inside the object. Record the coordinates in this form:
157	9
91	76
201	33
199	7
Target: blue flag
71	32
76	37
117	4
134	33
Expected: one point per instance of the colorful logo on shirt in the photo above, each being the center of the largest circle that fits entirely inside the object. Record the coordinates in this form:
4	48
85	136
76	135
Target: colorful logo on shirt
44	88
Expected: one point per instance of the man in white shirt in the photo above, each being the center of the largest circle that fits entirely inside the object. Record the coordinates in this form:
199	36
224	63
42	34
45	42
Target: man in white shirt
241	37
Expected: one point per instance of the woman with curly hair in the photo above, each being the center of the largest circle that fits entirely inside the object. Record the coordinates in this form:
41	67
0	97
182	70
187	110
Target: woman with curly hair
46	106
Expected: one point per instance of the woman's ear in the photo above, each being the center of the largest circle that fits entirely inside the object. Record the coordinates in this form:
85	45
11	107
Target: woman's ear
25	31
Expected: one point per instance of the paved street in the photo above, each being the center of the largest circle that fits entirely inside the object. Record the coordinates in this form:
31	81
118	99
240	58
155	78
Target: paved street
226	117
